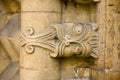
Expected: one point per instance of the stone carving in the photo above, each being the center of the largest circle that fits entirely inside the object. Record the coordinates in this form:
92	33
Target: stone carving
82	1
64	40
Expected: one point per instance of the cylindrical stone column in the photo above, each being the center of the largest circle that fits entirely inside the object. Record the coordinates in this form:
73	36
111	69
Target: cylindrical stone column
39	14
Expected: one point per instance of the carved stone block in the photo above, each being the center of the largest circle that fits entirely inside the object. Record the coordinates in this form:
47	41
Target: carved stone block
64	40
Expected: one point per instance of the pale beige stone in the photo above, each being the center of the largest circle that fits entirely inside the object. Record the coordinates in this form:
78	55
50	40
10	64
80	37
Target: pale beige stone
75	17
79	13
40	20
41	5
39	14
31	74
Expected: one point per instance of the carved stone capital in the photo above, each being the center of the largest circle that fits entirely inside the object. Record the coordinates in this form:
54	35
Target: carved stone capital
64	40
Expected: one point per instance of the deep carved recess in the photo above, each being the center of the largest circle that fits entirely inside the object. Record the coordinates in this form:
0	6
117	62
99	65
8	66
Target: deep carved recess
82	1
64	40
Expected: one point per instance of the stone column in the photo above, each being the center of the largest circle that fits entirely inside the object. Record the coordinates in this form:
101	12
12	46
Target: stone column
38	15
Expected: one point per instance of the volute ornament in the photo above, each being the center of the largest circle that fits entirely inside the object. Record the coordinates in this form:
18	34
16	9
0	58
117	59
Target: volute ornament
64	40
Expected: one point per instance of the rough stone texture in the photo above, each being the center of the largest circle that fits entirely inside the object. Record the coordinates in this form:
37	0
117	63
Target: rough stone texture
112	75
112	60
11	6
77	13
41	5
39	18
9	46
39	14
80	13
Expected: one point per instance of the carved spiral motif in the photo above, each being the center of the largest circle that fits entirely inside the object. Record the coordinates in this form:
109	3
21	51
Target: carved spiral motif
29	49
29	31
67	38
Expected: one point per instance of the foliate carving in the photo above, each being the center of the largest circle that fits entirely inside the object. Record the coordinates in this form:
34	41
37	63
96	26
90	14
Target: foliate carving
64	40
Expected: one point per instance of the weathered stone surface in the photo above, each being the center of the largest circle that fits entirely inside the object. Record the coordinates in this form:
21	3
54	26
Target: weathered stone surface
113	75
82	1
41	20
41	6
100	19
9	65
78	13
12	27
68	65
112	35
65	43
11	6
9	47
32	74
10	71
39	14
4	18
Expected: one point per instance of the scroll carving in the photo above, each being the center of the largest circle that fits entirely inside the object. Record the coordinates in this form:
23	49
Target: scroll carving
64	40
